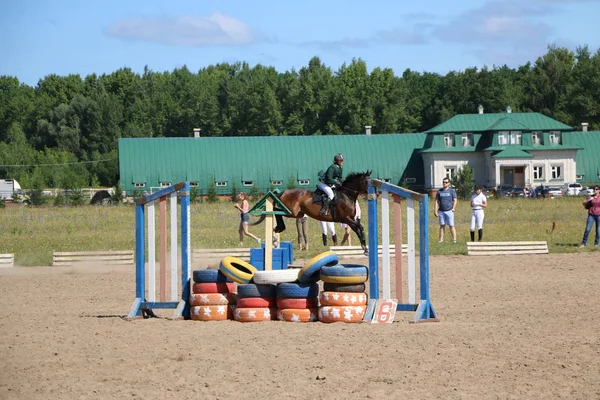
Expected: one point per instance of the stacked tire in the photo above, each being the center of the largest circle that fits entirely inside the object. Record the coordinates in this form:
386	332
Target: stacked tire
297	302
343	298
255	303
212	296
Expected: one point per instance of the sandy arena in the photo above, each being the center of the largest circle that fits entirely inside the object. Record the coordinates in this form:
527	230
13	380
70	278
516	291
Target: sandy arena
514	327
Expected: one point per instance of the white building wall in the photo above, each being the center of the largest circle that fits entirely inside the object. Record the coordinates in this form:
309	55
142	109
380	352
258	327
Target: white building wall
435	165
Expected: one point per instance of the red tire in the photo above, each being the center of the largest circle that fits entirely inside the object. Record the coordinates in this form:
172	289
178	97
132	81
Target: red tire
257	302
297	314
214	287
211	299
341	314
288	302
342	299
211	313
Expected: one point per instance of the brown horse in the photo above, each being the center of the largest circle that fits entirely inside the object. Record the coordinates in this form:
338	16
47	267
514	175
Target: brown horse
304	202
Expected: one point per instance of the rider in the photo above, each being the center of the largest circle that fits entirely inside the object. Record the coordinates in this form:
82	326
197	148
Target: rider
332	177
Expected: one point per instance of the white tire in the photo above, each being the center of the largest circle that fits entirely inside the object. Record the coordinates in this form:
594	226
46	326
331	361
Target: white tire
276	276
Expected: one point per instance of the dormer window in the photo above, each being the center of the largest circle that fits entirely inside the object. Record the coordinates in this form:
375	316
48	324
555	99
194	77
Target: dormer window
555	137
449	139
515	137
467	139
536	138
502	138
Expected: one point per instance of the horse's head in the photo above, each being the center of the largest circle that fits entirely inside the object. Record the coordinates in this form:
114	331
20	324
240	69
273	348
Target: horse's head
357	181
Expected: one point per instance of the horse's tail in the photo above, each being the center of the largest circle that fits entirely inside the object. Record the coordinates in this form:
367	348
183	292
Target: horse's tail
259	220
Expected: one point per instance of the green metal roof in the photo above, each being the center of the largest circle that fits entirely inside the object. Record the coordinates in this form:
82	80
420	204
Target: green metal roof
265	159
512	152
499	122
588	159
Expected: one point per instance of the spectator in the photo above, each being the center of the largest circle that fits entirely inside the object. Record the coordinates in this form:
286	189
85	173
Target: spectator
244	207
592	204
302	227
331	226
478	203
445	204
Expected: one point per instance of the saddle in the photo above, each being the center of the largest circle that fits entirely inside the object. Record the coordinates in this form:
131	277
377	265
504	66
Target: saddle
317	198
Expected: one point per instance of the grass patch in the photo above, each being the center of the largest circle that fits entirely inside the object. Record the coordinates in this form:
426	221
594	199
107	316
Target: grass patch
33	233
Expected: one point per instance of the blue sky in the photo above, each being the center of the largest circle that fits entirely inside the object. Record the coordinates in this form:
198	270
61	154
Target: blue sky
42	37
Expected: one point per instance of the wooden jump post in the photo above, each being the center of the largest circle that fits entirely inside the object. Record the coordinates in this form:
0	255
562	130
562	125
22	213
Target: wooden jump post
423	309
144	301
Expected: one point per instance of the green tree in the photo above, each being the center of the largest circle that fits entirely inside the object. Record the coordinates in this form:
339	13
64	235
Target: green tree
234	192
292	183
464	182
211	193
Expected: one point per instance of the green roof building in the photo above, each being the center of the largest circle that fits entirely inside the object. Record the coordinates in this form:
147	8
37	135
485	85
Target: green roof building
518	149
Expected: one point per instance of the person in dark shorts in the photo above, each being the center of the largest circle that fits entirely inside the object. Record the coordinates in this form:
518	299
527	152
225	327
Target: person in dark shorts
244	207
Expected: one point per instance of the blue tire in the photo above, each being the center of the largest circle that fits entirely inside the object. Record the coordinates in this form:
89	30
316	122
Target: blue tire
209	276
310	273
256	290
297	290
345	273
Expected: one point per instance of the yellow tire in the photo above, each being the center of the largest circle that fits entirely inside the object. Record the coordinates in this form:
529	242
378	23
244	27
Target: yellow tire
342	299
341	314
237	270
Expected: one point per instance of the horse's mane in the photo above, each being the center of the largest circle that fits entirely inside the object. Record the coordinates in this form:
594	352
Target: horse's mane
353	177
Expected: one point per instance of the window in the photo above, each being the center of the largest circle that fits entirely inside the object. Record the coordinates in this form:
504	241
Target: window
578	177
386	180
515	137
538	173
139	184
410	180
449	139
555	137
194	184
221	183
556	172
536	137
450	172
276	183
248	183
467	139
502	138
165	184
304	182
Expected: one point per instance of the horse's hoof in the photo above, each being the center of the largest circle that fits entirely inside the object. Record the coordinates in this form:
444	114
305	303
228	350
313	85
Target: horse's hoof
366	252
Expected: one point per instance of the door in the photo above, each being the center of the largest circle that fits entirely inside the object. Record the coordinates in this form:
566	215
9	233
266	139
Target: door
507	176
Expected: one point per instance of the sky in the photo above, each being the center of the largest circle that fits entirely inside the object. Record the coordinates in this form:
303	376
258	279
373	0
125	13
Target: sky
41	37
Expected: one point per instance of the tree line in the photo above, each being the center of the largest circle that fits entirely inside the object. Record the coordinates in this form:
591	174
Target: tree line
63	132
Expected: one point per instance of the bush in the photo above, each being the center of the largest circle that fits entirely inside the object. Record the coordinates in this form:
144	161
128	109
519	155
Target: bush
117	197
464	182
195	195
211	193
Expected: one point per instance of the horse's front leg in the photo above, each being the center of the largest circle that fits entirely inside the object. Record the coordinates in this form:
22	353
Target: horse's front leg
280	224
360	232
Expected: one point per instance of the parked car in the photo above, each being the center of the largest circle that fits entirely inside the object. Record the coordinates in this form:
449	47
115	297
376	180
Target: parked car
586	191
503	191
555	191
518	191
573	189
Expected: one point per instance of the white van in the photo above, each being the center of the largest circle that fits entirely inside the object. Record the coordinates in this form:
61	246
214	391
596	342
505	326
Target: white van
573	189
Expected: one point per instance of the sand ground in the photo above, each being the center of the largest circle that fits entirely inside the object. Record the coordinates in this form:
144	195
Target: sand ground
511	328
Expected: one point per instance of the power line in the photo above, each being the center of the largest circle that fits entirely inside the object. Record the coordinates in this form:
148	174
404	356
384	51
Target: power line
53	165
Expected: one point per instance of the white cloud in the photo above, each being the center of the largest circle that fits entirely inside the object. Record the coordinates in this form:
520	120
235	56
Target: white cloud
189	30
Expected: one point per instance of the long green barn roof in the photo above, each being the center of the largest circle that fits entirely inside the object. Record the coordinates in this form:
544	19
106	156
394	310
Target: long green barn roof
500	122
265	159
588	159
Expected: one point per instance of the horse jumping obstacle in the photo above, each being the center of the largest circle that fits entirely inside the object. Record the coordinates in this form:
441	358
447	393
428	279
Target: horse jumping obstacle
506	248
350	251
145	301
110	257
424	311
241	253
7	260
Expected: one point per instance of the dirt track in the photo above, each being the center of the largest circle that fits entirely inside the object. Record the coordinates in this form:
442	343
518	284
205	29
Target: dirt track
511	328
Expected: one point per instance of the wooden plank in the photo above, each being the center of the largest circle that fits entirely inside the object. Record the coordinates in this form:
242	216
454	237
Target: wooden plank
483	248
92	253
67	263
219	251
504	243
494	253
7	260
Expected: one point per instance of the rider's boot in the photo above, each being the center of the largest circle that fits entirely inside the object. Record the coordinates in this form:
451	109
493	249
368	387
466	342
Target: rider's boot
325	206
324	235
334	238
